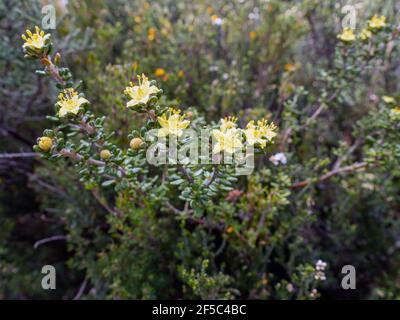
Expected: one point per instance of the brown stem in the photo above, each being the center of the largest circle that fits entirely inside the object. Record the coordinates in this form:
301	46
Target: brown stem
78	157
350	168
54	72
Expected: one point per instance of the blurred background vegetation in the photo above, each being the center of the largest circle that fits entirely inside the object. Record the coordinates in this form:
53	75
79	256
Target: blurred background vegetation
248	58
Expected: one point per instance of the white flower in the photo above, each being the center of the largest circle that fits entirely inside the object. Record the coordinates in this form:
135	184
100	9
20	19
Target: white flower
217	21
213	68
319	275
314	293
278	158
320	265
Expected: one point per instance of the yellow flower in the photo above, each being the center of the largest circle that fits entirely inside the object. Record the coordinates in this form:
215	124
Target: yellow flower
216	20
165	32
377	22
151	34
138	19
228	141
347	35
253	135
395	113
69	102
214	17
268	130
181	73
136	143
388	99
228	123
36	40
45	143
259	134
252	35
172	123
365	34
230	230
210	10
159	72
141	93
291	67
105	154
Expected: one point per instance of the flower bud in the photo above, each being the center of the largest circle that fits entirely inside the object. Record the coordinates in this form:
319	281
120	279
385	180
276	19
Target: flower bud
45	143
136	143
105	154
57	59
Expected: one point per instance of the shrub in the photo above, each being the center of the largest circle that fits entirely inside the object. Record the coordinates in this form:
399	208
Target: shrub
323	192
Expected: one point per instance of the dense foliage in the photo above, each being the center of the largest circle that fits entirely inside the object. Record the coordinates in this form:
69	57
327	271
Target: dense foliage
319	103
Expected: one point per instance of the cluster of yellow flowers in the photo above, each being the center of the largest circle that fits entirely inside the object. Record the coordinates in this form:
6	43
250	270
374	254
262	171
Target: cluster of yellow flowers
376	23
69	102
172	122
140	94
228	136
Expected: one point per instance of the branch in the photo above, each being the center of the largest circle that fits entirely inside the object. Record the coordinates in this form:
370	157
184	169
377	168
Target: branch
350	168
18	155
78	157
81	290
50	239
53	70
287	133
105	205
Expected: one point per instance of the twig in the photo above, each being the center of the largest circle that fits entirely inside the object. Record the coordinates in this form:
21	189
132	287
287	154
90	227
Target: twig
78	157
53	70
350	168
339	160
81	290
18	155
104	204
50	239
